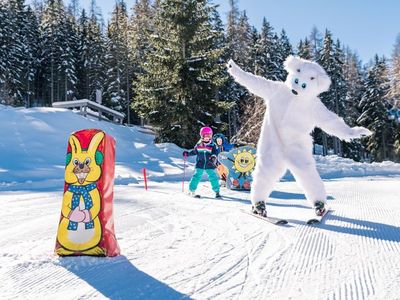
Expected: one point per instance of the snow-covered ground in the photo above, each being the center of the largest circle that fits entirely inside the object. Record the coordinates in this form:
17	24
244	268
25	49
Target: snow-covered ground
177	247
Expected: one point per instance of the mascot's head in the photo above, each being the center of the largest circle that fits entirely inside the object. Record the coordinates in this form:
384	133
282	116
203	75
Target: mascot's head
305	78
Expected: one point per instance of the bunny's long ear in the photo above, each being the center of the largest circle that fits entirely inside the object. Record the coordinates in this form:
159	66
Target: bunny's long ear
75	144
94	143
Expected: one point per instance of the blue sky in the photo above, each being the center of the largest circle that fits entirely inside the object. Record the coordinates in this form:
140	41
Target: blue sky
367	26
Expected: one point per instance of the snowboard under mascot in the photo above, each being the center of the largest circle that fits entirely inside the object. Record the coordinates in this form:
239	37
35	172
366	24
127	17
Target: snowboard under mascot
293	111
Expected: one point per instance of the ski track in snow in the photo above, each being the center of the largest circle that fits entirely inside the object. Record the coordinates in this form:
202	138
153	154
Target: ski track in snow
174	246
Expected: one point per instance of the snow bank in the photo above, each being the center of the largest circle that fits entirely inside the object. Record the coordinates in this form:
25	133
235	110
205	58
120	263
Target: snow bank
33	145
336	167
333	166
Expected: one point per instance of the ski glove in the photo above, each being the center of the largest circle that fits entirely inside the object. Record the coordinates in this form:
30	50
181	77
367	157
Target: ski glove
213	159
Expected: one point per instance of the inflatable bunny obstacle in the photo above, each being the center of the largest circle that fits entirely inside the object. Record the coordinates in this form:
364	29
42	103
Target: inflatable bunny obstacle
86	224
293	110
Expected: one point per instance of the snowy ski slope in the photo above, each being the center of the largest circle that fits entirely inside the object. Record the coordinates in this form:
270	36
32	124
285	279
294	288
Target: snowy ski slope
176	247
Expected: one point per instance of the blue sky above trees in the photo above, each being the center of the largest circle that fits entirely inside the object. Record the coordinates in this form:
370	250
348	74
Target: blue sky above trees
367	26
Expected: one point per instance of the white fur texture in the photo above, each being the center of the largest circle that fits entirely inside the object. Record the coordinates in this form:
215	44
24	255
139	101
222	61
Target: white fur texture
293	111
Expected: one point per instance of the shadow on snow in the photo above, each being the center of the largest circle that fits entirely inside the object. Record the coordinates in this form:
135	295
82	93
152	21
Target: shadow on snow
118	278
365	228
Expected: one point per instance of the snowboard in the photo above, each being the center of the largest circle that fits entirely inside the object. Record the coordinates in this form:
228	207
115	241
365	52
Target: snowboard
318	219
272	220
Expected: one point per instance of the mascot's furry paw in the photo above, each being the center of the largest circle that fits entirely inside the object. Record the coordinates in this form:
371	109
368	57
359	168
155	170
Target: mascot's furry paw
232	67
358	132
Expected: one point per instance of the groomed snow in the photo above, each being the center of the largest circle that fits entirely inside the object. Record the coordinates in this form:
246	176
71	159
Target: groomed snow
177	247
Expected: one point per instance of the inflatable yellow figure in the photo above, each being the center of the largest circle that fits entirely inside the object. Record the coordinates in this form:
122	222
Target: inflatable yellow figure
80	229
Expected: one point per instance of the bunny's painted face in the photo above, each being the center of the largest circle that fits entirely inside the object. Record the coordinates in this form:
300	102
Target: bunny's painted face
81	169
83	165
305	78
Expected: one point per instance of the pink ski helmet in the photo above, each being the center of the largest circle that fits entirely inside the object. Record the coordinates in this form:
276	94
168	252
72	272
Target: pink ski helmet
206	130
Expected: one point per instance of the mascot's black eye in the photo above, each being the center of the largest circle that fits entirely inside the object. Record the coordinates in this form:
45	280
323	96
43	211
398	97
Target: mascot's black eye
87	161
75	162
298	70
296	81
312	78
304	85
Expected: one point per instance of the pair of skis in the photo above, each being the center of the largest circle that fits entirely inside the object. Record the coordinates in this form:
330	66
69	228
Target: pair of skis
197	196
279	221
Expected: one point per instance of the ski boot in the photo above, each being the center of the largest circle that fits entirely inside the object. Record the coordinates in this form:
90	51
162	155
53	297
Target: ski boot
319	207
193	194
259	209
218	196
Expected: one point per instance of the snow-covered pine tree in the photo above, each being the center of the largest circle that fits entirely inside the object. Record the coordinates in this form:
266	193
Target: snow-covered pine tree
271	51
37	7
283	50
96	64
241	49
31	54
266	64
316	42
15	39
68	56
183	72
340	89
353	75
117	59
141	25
265	52
95	14
52	41
395	73
91	56
5	41
74	8
373	106
232	89
304	49
244	43
395	90
330	59
83	56
222	94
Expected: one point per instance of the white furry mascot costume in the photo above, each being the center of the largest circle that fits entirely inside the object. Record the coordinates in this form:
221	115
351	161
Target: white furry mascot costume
293	111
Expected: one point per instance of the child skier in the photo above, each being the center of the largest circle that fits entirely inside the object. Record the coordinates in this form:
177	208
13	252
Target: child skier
223	146
222	143
206	152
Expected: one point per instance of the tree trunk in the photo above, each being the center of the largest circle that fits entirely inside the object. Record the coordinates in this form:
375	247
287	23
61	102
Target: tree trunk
52	81
324	144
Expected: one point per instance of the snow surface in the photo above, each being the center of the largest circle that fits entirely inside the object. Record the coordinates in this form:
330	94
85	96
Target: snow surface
176	247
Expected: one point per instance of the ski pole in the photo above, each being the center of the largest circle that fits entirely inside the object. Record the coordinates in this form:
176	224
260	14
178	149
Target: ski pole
184	173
